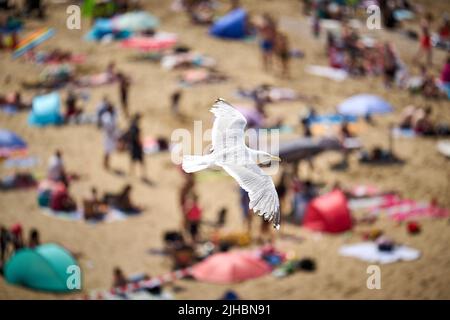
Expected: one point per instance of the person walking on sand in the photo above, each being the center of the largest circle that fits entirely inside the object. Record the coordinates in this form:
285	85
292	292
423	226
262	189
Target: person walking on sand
109	125
135	146
124	87
425	47
175	98
282	52
267	31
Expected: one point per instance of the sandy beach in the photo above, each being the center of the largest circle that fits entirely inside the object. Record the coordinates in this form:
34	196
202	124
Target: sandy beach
424	176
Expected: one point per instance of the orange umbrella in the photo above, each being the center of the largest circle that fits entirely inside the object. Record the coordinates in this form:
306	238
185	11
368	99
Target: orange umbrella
230	267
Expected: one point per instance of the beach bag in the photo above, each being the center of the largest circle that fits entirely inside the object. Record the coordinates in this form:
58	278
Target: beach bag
44	198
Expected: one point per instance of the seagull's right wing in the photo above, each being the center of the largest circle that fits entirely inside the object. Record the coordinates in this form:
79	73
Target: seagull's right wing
228	127
261	190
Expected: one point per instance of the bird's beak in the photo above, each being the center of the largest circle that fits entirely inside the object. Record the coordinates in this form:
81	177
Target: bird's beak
275	158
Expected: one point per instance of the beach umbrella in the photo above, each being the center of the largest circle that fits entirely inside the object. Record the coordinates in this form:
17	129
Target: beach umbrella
364	104
303	148
10	143
33	40
230	267
42	268
135	21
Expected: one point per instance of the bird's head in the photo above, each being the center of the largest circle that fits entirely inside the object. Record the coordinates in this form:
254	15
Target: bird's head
263	157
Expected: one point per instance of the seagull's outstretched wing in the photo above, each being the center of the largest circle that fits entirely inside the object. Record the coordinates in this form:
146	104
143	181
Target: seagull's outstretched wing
228	127
261	190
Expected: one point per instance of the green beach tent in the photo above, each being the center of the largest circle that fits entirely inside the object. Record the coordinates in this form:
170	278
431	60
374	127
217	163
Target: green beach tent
43	268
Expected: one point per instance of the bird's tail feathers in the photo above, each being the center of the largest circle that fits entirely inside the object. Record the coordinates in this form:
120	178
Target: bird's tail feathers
195	163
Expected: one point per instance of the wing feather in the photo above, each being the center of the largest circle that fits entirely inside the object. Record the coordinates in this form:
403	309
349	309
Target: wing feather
261	190
228	127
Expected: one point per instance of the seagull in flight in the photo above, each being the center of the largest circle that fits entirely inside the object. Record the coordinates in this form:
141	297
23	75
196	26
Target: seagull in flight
230	152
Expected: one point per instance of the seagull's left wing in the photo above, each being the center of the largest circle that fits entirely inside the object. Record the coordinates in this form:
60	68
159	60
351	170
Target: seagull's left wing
228	127
261	190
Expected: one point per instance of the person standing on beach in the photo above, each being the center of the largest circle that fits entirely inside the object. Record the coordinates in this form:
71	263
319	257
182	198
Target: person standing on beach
282	51
108	123
175	98
124	87
268	32
425	47
135	146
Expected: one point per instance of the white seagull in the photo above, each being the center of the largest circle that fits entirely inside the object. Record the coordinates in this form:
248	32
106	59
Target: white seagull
239	161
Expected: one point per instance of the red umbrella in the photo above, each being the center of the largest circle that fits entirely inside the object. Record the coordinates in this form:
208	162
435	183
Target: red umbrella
230	267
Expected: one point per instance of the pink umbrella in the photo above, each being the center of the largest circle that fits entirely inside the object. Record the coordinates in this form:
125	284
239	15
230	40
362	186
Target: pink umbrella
230	267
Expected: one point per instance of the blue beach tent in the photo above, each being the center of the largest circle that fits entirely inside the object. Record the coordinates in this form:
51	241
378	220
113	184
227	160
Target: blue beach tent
230	26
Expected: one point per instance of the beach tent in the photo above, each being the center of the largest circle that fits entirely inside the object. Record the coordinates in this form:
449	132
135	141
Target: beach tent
105	27
43	268
230	267
122	26
231	26
45	110
10	143
135	21
364	104
328	213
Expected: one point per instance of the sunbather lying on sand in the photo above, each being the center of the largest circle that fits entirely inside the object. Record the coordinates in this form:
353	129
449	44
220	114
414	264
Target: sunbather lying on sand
14	99
198	76
122	200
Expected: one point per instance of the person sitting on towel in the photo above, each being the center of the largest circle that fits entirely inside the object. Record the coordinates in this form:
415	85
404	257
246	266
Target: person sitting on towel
93	208
56	171
60	200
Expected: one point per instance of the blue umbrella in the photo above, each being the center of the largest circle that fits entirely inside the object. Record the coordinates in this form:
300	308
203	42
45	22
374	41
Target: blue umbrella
363	105
10	140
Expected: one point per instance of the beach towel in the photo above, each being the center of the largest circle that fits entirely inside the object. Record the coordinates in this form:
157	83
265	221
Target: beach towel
443	147
47	57
369	252
155	145
113	215
159	41
400	209
327	72
403	133
272	94
95	80
333	129
33	40
134	287
188	59
21	162
200	76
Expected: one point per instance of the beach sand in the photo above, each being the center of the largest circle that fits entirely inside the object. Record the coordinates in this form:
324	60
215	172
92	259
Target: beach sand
425	175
